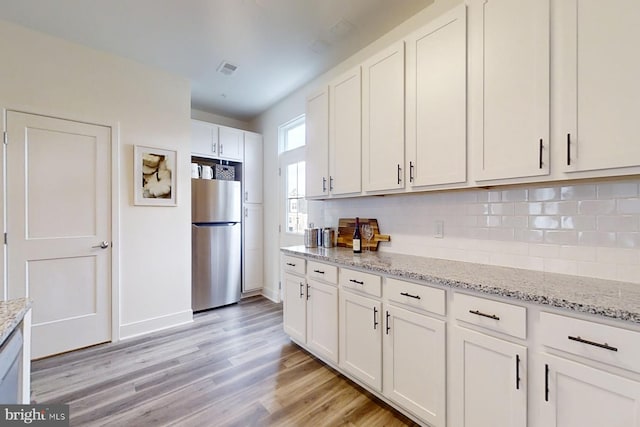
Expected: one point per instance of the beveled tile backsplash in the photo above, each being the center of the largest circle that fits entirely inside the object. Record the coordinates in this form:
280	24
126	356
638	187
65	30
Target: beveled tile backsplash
577	219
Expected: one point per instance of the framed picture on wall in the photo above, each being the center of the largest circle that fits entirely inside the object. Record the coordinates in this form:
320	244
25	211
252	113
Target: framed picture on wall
154	176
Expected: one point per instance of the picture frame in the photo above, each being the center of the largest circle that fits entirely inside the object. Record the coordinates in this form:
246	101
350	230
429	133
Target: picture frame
154	176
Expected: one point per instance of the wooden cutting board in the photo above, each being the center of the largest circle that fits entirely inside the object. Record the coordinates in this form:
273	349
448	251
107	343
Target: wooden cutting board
346	226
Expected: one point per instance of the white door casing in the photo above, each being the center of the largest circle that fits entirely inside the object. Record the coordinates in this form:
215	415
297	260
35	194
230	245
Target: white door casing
58	214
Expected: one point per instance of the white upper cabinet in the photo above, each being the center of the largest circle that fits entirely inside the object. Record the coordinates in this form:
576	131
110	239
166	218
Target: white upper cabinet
230	144
345	142
437	101
383	120
204	139
317	145
253	164
599	90
509	74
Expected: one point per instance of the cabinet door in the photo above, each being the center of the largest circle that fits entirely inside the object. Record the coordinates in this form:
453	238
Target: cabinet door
510	69
414	363
383	120
317	145
488	392
361	338
599	91
204	139
253	252
295	307
322	320
231	143
576	395
253	165
437	101
345	172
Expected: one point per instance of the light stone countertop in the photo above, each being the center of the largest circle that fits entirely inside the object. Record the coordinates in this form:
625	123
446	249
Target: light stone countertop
608	298
11	314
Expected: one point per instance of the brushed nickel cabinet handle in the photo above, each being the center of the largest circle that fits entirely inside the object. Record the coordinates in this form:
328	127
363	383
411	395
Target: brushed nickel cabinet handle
479	313
593	343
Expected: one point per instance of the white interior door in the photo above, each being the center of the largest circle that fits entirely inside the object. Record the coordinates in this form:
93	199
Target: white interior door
58	214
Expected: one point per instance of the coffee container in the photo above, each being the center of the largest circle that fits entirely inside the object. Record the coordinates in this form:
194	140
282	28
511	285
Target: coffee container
312	236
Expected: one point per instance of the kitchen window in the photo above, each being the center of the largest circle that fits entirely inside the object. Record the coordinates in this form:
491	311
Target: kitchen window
292	176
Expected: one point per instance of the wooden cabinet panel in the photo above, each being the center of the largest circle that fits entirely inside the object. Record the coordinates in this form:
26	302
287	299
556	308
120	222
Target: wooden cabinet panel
598	84
253	252
253	167
345	140
295	307
361	338
317	145
414	363
510	73
383	120
204	139
436	120
322	320
487	390
230	144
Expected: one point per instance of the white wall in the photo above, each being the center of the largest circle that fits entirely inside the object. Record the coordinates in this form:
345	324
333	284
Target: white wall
219	120
46	75
590	228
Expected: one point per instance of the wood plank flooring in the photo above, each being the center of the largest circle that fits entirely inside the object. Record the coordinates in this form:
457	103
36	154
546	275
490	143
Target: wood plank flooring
233	366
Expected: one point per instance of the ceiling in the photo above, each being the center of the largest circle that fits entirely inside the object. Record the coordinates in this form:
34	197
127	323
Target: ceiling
277	45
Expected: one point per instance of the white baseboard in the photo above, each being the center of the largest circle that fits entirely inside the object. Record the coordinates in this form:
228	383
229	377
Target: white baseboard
143	327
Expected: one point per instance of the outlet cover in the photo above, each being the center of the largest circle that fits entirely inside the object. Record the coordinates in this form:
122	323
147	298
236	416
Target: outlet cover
438	231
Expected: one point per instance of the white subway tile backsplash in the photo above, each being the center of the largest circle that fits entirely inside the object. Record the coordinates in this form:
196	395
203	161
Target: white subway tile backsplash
596	207
618	223
544	194
628	273
629	206
561	237
588	229
617	190
544	222
578	192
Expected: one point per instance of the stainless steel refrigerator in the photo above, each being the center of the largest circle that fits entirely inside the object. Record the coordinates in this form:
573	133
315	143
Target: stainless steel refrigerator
216	243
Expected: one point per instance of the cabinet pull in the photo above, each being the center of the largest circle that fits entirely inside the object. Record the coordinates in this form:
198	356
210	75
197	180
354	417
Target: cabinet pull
375	318
301	293
517	372
540	154
410	171
330	183
568	149
546	382
324	184
479	313
221	148
291	264
318	271
308	292
399	169
356	281
409	295
387	319
595	344
246	196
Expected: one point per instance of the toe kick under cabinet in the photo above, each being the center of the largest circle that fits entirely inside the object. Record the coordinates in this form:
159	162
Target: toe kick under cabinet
449	357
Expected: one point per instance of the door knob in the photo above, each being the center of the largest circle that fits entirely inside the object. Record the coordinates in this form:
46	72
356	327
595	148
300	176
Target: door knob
103	245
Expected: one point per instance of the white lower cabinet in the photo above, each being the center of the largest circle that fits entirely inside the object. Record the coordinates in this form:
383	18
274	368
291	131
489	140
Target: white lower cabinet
295	307
322	319
576	395
490	385
361	338
414	363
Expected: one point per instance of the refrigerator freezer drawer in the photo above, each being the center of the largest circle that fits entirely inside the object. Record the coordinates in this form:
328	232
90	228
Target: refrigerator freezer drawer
216	268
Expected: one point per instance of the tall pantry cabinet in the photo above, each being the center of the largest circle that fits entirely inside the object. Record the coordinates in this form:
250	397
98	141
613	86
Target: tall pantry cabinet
253	244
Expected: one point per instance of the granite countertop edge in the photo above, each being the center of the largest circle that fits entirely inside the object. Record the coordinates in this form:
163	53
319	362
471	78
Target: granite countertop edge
583	297
11	314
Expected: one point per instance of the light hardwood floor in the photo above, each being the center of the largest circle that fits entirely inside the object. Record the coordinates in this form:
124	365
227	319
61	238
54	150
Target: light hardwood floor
233	366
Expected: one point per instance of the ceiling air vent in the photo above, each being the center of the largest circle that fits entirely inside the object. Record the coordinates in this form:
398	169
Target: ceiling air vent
227	68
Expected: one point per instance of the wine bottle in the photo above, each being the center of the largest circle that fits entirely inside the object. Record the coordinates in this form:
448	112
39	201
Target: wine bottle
357	240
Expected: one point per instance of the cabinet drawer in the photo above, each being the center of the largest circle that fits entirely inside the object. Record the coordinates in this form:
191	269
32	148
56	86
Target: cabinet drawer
324	272
497	316
293	264
603	343
364	282
414	295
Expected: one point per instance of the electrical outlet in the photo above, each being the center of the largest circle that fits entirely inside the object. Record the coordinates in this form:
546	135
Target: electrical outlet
438	231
